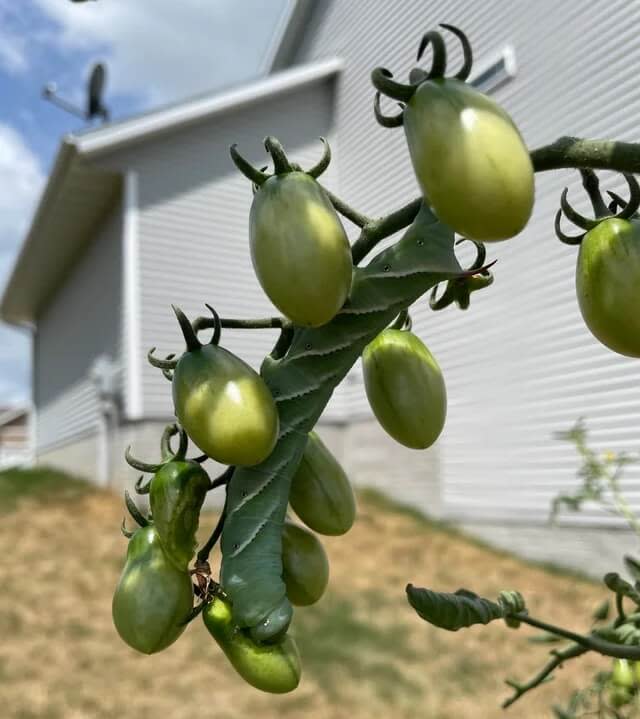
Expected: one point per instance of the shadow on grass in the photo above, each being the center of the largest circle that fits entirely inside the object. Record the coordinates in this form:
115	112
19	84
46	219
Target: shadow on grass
341	643
41	485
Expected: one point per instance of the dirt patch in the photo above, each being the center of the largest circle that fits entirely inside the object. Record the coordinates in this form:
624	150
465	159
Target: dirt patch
364	650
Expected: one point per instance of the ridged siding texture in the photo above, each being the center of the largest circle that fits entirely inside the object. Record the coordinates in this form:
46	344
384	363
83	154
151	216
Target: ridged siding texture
519	364
193	224
81	322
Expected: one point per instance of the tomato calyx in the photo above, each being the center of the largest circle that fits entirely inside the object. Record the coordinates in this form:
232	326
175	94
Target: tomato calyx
459	289
167	454
383	81
281	163
602	211
143	484
170	362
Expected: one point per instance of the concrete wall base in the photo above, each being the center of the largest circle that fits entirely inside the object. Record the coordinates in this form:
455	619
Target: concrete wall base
372	459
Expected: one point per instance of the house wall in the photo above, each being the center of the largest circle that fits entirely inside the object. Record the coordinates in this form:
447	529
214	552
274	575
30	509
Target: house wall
80	323
192	224
519	364
15	447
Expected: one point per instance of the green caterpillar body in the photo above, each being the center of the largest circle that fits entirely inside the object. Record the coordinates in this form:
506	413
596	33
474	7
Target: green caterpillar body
301	384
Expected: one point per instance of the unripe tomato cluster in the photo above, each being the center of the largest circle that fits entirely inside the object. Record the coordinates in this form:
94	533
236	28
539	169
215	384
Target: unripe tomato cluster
476	175
624	683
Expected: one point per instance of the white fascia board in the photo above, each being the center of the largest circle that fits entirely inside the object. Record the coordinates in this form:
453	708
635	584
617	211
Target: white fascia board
66	155
140	128
266	66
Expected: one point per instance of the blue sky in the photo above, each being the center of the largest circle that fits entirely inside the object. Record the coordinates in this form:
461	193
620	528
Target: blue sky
157	52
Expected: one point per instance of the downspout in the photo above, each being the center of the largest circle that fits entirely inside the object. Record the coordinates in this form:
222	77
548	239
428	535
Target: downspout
104	375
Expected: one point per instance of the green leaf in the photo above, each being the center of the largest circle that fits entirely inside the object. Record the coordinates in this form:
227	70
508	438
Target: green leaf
453	611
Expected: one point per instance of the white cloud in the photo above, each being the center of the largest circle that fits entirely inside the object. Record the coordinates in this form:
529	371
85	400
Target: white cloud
13	57
21	180
13	47
168	49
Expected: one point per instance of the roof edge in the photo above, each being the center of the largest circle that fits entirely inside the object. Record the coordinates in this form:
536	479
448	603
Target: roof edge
66	154
131	131
288	36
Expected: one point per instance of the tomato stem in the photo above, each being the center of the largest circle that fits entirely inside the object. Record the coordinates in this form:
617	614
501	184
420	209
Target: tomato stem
346	210
205	551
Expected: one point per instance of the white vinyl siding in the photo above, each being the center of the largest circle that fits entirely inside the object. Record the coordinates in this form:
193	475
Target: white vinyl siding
192	223
519	364
80	323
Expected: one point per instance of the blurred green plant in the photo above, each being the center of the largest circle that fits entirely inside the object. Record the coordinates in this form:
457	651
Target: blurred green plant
613	694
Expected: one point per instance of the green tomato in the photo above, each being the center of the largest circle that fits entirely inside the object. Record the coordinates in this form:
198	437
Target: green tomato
225	406
623	674
619	696
405	388
321	494
299	249
177	492
608	284
305	567
470	160
153	598
272	668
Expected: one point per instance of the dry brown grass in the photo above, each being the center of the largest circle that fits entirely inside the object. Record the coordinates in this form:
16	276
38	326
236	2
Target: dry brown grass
364	650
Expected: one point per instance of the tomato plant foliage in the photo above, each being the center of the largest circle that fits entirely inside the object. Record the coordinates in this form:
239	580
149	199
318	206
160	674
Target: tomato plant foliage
339	304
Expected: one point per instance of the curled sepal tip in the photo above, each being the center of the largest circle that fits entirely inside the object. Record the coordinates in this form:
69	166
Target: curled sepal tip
123	528
190	337
439	303
165	442
439	50
246	168
616	202
142	485
168	363
402	321
386	120
383	81
281	164
567	239
137	464
631	207
573	216
464	72
135	513
168	455
217	325
324	161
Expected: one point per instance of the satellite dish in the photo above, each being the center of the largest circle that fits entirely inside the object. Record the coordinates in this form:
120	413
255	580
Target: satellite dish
95	88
